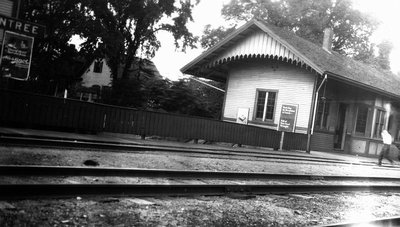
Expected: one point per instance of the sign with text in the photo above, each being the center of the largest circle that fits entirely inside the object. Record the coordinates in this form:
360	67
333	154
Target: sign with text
242	116
20	26
16	56
287	122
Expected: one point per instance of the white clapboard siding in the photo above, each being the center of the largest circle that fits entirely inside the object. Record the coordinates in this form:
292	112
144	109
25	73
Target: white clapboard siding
255	44
294	85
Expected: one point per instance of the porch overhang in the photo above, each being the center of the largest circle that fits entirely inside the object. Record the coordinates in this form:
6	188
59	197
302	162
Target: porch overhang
362	85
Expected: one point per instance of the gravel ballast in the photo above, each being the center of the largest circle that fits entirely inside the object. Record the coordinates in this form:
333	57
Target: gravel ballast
231	210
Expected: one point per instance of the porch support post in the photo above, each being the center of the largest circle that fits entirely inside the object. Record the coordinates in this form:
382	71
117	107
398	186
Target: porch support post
313	109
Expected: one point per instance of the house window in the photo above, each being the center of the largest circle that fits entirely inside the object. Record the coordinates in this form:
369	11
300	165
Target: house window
265	105
98	66
379	123
322	114
362	116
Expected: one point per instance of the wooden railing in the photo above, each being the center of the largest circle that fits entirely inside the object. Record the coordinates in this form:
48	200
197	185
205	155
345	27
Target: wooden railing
39	111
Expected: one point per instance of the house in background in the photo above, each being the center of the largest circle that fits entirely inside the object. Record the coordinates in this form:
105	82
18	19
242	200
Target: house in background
342	105
97	77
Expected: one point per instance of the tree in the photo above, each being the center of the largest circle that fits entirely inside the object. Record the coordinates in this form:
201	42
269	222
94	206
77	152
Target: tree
381	61
211	98
187	97
55	62
308	18
212	36
125	29
385	48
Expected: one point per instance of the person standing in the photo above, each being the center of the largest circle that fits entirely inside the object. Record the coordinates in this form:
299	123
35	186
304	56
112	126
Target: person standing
387	141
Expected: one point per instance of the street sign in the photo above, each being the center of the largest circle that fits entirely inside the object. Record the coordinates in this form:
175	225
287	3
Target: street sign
21	26
287	122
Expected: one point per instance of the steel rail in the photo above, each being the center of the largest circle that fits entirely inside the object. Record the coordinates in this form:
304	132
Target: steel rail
390	221
136	147
24	170
19	191
81	143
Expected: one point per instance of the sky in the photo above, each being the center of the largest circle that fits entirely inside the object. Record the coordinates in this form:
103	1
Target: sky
169	61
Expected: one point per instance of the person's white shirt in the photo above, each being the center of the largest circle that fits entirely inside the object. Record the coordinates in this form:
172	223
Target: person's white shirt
387	138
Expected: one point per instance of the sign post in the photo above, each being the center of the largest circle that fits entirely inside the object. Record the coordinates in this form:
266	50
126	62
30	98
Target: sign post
287	121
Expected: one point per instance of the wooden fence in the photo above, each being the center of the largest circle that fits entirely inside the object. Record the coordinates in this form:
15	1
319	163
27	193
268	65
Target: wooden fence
45	112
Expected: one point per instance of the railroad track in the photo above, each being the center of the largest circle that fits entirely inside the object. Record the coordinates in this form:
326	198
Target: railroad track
34	191
28	170
18	191
391	221
181	189
132	147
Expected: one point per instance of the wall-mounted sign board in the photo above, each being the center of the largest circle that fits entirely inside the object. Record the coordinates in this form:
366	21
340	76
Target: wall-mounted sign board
242	116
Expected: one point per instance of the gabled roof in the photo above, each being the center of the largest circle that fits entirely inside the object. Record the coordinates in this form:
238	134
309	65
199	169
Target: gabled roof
142	66
297	51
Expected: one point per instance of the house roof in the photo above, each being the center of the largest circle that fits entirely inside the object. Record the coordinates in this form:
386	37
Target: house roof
298	51
139	65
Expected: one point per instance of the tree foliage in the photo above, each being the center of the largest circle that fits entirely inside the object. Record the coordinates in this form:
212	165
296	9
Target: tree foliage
182	97
55	62
118	29
122	31
212	36
189	97
125	29
385	48
307	18
380	61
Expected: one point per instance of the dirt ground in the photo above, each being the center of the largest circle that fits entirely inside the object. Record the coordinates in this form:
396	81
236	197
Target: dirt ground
269	210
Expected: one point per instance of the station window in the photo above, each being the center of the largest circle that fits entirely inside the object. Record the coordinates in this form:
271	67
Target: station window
322	114
379	123
265	105
362	117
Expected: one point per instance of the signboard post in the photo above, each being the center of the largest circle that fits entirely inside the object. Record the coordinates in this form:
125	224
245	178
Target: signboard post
287	121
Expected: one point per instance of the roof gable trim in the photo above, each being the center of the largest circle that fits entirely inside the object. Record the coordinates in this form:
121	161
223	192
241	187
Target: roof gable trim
297	56
217	46
290	47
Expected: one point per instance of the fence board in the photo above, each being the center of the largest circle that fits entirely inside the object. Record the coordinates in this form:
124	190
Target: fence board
44	111
294	141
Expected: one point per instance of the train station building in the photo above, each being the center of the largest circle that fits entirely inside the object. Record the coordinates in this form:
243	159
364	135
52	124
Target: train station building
342	104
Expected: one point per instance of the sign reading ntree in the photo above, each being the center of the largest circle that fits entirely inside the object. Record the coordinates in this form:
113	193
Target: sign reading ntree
22	27
287	122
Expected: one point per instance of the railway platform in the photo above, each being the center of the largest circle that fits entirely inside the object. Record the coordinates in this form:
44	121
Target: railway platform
156	141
